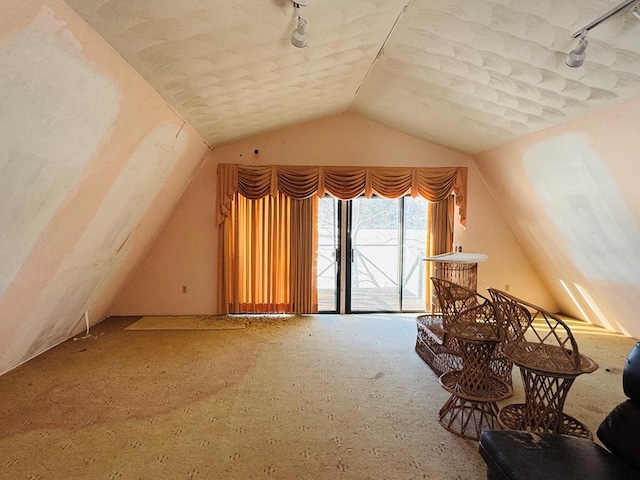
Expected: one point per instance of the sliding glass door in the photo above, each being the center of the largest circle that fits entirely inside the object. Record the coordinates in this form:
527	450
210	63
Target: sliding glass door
328	254
370	254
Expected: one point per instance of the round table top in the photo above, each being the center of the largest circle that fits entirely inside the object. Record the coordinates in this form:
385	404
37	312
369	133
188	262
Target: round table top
458	257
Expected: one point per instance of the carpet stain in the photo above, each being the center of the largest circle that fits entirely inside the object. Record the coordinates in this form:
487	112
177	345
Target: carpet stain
144	382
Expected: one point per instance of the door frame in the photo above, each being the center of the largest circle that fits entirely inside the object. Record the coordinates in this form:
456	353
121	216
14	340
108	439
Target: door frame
344	259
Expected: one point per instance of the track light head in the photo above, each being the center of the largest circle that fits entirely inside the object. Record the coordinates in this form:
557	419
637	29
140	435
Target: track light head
300	37
577	55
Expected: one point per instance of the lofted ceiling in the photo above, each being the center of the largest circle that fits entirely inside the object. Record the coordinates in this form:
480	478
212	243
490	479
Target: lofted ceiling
464	74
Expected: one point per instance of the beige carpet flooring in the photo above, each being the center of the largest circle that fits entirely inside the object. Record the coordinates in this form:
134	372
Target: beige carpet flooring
188	322
318	397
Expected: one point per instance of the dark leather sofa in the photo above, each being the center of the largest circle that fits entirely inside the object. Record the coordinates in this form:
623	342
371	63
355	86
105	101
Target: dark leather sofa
518	455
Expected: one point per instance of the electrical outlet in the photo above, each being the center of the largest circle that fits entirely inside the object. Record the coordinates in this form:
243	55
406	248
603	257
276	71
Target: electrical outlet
506	287
184	289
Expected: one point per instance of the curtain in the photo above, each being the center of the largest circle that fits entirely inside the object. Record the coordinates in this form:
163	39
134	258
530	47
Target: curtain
304	247
269	250
308	184
345	183
439	236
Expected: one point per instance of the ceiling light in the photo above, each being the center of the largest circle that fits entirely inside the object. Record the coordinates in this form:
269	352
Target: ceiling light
577	55
300	37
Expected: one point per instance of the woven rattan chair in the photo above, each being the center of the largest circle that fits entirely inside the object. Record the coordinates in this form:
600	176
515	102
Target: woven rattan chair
547	354
475	390
439	349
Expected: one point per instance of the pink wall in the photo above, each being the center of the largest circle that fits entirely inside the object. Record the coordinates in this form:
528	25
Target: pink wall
571	196
345	139
92	162
183	255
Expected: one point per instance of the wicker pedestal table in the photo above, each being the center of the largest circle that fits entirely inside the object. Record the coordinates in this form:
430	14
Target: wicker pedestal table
457	267
472	407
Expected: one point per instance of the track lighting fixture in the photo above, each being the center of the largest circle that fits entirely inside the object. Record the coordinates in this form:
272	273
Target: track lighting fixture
300	37
577	55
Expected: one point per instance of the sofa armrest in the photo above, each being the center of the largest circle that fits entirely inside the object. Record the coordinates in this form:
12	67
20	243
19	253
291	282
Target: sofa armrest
518	455
620	432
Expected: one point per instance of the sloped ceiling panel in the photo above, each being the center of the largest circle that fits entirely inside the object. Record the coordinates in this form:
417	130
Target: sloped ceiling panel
229	67
465	74
471	75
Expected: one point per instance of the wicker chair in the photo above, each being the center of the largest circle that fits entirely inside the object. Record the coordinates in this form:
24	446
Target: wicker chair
474	390
440	350
544	349
431	348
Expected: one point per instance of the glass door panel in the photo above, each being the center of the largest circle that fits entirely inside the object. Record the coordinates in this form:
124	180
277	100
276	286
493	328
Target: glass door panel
327	250
375	255
414	251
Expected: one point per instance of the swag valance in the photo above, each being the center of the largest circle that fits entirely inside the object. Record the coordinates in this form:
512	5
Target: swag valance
345	183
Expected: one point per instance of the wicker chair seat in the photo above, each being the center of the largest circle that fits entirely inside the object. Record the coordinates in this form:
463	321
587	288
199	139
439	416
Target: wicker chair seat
475	331
430	345
431	325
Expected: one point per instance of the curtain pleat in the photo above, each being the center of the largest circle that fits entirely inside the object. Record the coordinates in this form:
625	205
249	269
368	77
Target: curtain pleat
435	184
261	253
254	182
300	183
344	183
391	182
304	246
227	187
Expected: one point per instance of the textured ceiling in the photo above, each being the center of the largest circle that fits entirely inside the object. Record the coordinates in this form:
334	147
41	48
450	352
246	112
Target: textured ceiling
465	74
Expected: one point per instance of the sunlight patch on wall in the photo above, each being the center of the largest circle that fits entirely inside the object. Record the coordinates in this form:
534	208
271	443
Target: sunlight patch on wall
585	204
602	318
578	305
56	109
103	247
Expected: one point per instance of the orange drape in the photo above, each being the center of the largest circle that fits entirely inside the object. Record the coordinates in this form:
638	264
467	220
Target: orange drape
345	183
289	184
269	252
439	236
